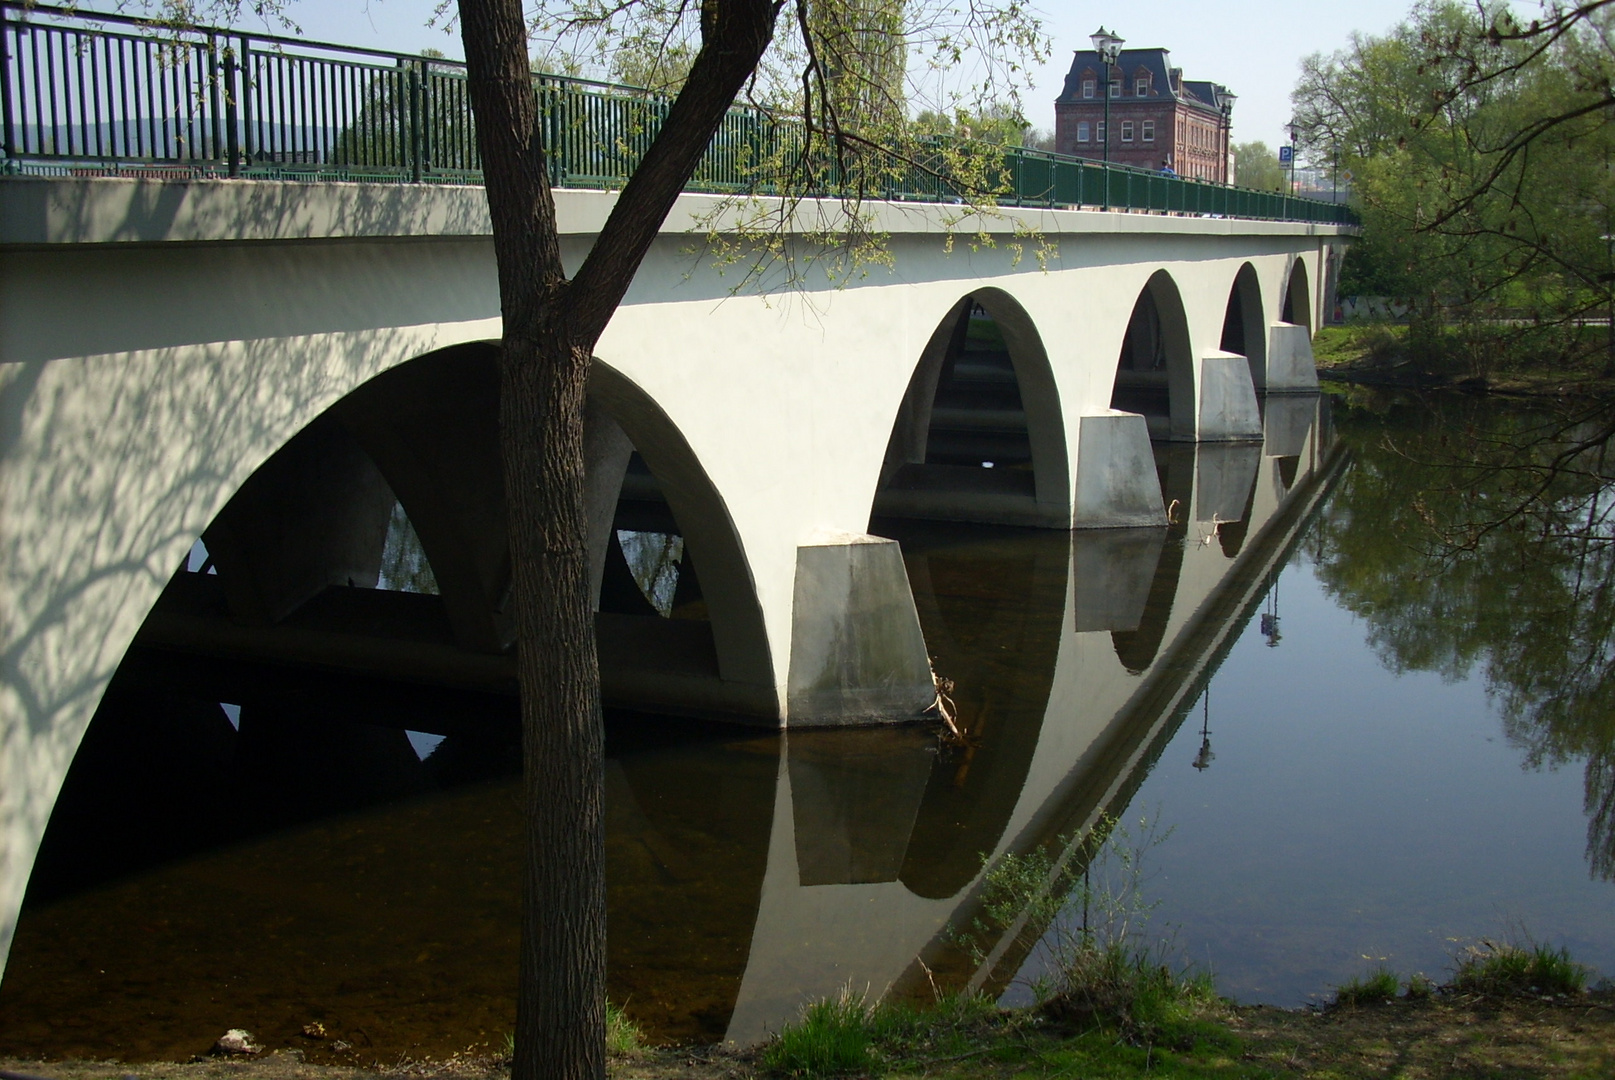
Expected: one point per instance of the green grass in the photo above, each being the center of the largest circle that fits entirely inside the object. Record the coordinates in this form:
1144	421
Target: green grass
1511	969
846	1034
1373	342
834	1036
623	1036
1214	1054
1123	987
1378	986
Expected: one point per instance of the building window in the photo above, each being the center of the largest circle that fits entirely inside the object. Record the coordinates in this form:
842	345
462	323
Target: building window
1115	88
1127	131
1141	87
1149	131
1101	135
1082	131
1087	88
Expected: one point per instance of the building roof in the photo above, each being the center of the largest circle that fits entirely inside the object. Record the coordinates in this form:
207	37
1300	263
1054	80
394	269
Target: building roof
1166	82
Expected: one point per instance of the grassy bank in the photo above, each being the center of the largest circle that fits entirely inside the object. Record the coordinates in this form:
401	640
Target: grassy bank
1445	1036
1498	360
1509	1010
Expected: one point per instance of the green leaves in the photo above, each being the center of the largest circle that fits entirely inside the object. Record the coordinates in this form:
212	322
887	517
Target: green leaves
1481	160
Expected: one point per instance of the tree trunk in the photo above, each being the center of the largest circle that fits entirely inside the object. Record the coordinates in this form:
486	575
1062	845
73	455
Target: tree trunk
551	326
560	1009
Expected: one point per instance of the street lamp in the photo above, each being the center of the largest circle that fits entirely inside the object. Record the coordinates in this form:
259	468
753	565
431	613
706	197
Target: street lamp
1609	285
1109	47
1226	100
1292	127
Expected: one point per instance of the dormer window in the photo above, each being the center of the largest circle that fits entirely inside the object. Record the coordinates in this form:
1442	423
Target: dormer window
1115	88
1087	88
1141	86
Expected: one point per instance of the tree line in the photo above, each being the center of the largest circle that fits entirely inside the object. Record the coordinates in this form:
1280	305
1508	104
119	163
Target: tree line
1480	150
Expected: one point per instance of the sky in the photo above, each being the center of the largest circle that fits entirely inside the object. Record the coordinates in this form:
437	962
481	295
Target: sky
1252	46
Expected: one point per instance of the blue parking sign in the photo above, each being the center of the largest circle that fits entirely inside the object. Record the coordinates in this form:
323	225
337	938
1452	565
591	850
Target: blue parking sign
1286	155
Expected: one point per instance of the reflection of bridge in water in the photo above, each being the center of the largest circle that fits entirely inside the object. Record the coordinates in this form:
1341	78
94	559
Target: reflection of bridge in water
746	874
1078	656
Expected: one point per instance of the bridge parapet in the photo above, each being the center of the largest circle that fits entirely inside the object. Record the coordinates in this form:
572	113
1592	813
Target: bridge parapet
211	101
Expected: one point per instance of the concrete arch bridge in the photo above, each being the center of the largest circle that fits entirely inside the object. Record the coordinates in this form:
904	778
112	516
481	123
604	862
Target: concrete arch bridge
301	376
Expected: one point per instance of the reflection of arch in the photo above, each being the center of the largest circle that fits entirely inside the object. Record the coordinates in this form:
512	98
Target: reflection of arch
1155	371
993	604
1244	326
983	391
1298	297
712	542
1136	649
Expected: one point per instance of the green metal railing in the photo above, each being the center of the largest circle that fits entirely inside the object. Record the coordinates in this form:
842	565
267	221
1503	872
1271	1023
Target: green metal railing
103	94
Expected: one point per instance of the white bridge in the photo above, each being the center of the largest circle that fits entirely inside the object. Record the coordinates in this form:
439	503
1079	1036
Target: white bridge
277	368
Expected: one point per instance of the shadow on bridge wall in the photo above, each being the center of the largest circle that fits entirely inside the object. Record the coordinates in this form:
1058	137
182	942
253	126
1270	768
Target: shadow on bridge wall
1244	329
1297	307
1155	371
297	551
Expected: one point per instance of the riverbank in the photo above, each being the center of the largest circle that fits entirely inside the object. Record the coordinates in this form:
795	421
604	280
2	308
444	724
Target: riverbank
1377	355
1450	1036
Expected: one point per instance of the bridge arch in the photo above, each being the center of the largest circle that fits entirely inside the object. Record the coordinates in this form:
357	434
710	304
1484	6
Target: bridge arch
1244	327
712	542
1155	369
424	436
979	435
1297	307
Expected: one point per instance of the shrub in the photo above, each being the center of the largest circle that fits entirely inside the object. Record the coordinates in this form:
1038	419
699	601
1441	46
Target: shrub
623	1036
1082	908
1378	986
833	1036
847	1034
1503	969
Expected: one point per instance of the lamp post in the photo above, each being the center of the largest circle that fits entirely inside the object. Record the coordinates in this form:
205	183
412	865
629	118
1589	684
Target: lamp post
1292	127
1109	47
1225	101
1609	286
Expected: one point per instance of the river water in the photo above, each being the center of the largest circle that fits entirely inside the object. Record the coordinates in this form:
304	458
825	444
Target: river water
1362	694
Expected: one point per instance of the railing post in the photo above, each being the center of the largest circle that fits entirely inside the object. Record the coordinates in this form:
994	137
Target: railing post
215	119
5	90
416	142
244	102
232	136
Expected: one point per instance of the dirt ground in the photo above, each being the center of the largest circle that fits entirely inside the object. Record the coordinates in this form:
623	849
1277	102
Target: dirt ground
1454	1037
1564	1039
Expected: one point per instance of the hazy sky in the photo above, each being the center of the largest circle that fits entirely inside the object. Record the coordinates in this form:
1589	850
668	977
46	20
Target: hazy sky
1251	46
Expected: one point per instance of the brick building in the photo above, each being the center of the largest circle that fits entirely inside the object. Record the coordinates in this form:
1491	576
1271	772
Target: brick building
1158	118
